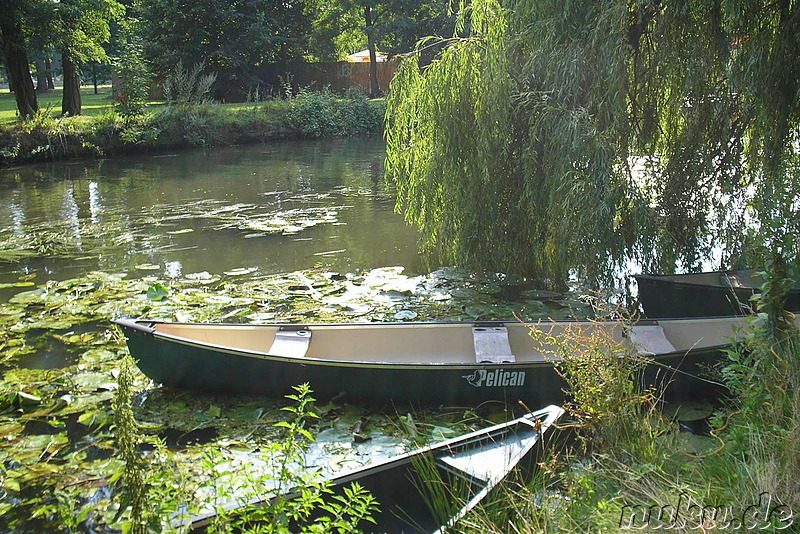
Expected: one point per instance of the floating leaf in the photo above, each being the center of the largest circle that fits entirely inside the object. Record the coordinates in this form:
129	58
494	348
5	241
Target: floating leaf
204	275
694	444
27	397
17	284
241	271
541	294
157	292
689	411
28	297
148	267
405	315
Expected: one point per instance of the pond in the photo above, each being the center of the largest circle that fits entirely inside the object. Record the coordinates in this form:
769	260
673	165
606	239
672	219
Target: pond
286	232
274	208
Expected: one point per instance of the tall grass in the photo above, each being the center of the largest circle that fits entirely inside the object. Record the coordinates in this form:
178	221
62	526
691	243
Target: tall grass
633	470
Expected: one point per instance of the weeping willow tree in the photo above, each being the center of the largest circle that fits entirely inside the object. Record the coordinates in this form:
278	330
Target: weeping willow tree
576	134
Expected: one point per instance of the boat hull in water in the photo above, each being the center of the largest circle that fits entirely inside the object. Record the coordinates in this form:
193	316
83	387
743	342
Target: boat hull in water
708	294
453	363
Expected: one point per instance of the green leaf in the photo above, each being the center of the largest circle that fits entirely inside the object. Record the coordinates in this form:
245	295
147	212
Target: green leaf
157	292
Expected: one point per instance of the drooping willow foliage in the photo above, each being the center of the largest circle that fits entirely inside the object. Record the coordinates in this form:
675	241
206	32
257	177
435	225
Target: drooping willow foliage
576	134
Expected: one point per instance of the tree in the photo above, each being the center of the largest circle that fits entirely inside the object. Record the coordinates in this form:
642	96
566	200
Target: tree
80	28
230	38
552	136
394	24
15	56
131	91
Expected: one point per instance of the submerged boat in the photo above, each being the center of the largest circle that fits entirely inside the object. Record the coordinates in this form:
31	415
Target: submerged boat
703	294
464	470
418	362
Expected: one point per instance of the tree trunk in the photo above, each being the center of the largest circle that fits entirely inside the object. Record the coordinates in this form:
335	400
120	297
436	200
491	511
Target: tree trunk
71	100
41	75
19	75
51	84
94	76
374	88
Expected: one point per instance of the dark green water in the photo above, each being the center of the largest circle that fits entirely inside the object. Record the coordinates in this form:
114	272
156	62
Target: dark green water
171	215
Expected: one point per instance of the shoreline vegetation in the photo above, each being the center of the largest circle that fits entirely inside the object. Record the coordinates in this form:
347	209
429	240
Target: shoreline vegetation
102	132
631	467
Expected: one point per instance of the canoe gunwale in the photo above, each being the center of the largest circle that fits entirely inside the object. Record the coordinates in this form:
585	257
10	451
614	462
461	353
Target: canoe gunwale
674	280
151	331
541	421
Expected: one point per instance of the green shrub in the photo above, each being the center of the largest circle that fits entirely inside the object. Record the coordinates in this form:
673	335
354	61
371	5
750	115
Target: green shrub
321	114
189	86
187	125
359	116
313	114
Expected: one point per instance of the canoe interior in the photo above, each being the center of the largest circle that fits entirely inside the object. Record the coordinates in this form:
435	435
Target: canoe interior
427	490
443	343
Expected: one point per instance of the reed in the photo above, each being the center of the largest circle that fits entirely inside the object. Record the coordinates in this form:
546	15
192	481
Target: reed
632	468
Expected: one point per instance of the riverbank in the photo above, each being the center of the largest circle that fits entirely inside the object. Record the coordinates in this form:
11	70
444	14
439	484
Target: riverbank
168	127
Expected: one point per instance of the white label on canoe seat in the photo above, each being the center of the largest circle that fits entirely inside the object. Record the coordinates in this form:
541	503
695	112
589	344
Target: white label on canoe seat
291	343
491	344
650	340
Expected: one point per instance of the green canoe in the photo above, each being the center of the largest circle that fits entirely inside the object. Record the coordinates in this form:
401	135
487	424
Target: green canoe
418	362
466	468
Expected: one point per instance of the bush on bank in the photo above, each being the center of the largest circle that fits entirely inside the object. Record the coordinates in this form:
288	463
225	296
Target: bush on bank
309	115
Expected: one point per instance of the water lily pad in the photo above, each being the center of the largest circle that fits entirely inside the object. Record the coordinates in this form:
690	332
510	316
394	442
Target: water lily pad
477	311
541	294
406	315
94	381
11	429
157	292
17	284
694	444
241	271
204	275
29	449
689	411
28	297
46	323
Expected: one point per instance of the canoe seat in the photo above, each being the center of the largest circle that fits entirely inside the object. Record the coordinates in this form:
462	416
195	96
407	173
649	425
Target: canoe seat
490	460
650	340
491	344
291	343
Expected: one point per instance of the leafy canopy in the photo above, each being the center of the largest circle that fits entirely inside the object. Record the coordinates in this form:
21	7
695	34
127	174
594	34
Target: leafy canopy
576	134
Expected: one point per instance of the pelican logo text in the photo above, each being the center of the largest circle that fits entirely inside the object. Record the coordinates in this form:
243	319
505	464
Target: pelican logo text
495	378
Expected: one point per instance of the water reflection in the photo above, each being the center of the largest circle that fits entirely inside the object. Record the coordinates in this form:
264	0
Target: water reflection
277	208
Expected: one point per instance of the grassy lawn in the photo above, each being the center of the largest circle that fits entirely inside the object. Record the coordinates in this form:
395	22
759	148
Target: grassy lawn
96	104
93	104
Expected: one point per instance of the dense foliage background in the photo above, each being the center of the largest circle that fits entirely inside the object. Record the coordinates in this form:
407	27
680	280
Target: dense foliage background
243	41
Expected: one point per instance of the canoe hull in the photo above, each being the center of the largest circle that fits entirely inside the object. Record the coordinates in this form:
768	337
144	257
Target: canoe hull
202	368
687	296
469	467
